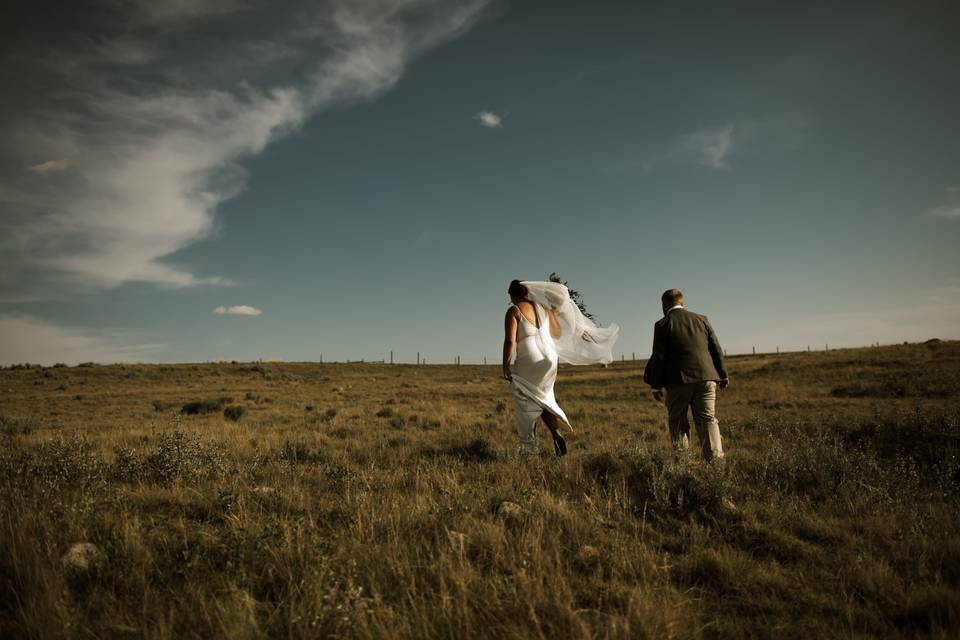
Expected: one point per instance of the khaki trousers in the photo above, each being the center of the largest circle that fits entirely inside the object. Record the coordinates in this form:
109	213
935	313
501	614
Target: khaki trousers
702	398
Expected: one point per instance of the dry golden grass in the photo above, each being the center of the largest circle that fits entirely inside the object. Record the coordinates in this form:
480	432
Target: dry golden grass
365	501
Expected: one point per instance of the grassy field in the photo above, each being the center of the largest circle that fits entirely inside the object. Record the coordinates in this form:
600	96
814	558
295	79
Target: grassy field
250	500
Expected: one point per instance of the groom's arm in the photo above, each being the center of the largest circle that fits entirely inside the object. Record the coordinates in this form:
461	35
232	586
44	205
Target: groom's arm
653	374
716	351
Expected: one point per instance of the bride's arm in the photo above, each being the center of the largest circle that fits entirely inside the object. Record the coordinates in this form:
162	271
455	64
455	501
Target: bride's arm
555	329
509	340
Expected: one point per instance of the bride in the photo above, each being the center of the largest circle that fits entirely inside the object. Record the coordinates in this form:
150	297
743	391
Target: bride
546	327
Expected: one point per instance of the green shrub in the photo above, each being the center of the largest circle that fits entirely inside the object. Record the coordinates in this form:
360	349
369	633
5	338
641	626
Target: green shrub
233	412
202	407
473	450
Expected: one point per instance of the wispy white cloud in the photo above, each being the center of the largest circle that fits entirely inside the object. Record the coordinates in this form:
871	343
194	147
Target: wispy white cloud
238	310
156	130
489	119
708	147
718	148
950	212
50	166
950	209
28	339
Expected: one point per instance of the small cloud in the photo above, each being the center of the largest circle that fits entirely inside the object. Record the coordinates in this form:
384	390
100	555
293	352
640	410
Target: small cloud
238	310
490	119
949	210
711	148
708	147
50	166
718	148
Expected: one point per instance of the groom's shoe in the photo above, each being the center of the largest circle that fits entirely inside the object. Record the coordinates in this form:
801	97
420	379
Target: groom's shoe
559	444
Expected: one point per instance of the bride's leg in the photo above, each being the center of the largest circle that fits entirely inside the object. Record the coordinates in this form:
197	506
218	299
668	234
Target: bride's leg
553	424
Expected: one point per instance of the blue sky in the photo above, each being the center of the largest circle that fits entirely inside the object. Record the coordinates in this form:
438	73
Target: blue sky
366	176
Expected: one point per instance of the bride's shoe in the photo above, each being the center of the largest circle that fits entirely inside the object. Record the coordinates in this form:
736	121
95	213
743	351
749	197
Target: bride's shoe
559	444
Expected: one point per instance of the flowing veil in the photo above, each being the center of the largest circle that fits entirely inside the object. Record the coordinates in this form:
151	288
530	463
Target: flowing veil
581	340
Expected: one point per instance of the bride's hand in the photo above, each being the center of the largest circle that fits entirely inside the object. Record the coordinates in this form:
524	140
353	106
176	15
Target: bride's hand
507	375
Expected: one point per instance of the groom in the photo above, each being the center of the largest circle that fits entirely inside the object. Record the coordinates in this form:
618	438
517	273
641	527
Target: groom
687	362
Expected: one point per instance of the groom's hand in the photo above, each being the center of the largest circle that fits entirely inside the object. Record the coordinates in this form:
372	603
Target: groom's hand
724	383
658	395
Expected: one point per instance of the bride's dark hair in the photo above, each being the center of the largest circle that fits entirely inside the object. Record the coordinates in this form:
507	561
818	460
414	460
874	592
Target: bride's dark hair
517	290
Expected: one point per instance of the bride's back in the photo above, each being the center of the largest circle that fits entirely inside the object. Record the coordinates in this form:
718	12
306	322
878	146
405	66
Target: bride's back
529	312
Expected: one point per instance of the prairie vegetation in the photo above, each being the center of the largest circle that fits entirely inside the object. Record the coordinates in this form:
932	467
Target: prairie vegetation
377	501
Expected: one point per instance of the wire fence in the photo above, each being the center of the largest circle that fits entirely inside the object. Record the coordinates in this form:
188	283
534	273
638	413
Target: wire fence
421	359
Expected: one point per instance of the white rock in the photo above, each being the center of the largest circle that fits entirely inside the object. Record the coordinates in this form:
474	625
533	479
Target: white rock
83	556
509	510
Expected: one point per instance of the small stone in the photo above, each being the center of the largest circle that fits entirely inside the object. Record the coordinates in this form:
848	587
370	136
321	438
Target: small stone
83	557
728	509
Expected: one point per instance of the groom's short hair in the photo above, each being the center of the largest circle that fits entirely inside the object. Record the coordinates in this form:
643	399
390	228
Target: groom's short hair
672	297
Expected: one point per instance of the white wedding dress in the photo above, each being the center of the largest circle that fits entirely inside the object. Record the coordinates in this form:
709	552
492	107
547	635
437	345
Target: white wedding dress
538	354
533	374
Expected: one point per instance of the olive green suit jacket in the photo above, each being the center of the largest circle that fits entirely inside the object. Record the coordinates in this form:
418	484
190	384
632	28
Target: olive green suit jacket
685	350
